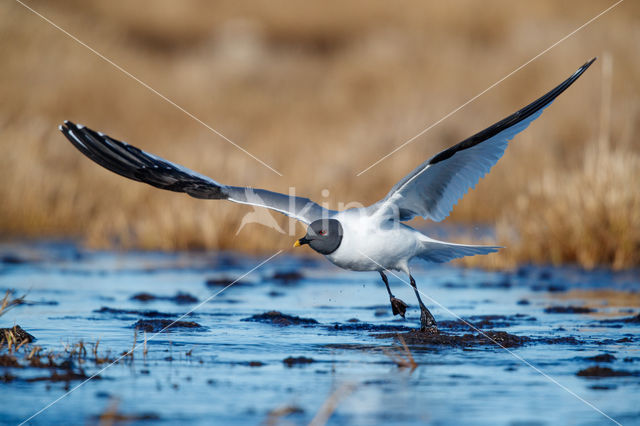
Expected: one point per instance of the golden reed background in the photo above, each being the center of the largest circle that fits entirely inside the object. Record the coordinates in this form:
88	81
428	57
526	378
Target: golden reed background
320	90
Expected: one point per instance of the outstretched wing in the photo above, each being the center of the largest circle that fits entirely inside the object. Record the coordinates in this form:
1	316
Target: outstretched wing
133	163
434	187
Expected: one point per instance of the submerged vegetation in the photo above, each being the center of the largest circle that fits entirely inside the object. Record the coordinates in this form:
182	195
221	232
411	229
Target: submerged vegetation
320	92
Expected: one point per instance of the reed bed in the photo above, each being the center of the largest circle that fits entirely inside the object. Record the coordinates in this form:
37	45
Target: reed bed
319	92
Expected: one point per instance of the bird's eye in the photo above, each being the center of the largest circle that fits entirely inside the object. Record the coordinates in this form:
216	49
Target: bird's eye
322	232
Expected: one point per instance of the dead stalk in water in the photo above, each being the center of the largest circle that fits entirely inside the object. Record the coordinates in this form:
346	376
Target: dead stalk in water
24	342
135	339
145	349
331	403
110	414
9	339
275	415
406	361
8	303
35	352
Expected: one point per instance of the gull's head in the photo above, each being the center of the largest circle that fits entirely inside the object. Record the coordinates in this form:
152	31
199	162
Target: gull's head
323	235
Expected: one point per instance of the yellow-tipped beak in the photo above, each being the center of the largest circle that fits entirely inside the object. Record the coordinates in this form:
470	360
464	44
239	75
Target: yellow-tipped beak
297	243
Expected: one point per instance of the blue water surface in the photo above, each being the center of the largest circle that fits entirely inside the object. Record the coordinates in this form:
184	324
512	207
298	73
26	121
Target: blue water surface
231	371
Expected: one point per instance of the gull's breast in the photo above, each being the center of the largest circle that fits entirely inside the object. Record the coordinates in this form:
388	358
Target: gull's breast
368	245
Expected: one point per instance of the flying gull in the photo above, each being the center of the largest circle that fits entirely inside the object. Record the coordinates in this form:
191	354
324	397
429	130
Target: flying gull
371	238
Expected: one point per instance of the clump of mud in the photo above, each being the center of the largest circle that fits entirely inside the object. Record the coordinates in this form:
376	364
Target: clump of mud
291	361
136	312
13	259
568	310
180	298
364	326
627	320
156	325
287	277
601	358
278	318
66	376
223	282
597	371
489	338
475	322
16	334
63	366
7	360
565	340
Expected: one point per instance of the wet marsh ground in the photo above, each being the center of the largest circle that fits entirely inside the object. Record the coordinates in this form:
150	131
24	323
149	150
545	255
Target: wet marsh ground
298	338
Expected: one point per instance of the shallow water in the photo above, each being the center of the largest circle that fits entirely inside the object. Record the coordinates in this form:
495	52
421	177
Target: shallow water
204	375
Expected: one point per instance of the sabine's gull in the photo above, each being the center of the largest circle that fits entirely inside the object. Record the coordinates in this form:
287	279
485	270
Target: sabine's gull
371	238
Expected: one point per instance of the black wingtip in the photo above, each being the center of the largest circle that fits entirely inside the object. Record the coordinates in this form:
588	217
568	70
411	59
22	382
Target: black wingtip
67	126
70	125
585	66
514	118
579	72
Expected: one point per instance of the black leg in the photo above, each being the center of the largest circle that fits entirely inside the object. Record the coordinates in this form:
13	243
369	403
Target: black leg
397	306
427	322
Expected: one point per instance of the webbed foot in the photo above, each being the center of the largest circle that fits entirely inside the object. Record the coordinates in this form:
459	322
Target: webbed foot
398	306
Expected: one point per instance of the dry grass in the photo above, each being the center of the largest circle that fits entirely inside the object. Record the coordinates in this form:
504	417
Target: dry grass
8	302
276	416
319	92
592	218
